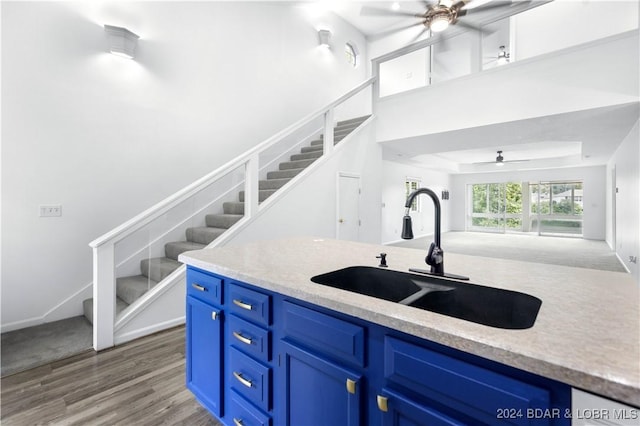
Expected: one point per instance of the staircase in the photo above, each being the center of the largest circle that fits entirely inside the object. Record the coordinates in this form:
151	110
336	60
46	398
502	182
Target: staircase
154	270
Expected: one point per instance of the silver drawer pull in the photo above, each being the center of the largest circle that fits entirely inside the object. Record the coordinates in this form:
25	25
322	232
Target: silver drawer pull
243	305
242	380
237	422
243	339
198	287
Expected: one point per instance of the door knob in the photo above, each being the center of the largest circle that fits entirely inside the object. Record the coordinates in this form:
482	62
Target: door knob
341	220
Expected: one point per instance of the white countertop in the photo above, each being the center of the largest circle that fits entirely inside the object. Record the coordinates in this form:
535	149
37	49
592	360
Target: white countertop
587	333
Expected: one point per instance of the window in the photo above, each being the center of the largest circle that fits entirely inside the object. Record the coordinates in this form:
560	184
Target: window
411	184
351	53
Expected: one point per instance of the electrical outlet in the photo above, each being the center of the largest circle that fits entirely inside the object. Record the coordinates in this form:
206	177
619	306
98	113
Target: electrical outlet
53	210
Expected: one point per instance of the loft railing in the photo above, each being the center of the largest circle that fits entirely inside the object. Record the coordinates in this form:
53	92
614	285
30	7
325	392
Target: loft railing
119	251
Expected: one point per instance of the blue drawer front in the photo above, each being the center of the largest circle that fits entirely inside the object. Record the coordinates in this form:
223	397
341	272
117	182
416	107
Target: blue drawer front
325	334
204	286
250	304
469	389
250	378
249	338
242	412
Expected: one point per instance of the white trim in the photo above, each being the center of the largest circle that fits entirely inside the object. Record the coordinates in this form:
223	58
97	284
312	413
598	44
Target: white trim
340	174
141	332
624	265
30	322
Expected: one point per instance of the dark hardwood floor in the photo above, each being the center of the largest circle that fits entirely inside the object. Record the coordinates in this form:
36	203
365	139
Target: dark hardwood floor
139	383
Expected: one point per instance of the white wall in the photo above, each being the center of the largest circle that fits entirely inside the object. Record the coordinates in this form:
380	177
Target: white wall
626	163
547	85
544	29
107	138
594	203
309	209
393	200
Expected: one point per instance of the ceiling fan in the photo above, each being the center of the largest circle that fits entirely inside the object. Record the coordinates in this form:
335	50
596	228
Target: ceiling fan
502	58
439	14
500	161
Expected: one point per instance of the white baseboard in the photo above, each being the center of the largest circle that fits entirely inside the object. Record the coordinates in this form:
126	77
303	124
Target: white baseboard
623	264
145	331
17	325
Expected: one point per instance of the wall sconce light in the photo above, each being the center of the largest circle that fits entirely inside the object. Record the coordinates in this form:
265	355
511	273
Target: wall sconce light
122	42
324	36
445	194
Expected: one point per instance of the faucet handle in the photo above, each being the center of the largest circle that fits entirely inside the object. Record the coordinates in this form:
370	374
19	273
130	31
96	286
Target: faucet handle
383	260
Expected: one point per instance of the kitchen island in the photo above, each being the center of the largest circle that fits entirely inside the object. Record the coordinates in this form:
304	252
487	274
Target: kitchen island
586	334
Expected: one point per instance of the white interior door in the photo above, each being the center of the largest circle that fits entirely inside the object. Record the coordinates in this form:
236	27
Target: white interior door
348	207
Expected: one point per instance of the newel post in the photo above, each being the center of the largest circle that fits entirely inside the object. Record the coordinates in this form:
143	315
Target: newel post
104	296
251	183
327	145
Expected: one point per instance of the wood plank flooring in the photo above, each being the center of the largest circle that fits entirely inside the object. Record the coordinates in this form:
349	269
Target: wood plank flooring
139	383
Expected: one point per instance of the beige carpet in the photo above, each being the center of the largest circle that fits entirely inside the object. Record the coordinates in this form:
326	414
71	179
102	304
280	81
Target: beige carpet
575	252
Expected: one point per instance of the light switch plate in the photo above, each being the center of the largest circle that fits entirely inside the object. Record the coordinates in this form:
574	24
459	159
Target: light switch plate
51	210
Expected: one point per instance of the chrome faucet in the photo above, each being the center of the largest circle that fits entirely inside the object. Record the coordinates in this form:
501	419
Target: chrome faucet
435	255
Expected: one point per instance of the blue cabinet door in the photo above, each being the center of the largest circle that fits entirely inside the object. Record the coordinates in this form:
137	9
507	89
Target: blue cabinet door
204	354
318	392
398	410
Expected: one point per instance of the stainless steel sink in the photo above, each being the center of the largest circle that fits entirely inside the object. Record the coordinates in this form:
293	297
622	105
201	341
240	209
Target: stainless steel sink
472	302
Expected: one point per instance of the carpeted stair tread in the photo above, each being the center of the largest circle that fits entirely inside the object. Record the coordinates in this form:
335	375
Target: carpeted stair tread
263	194
358	120
273	183
233	207
223	221
87	308
314	155
203	234
158	268
300	164
279	174
130	289
312	148
174	249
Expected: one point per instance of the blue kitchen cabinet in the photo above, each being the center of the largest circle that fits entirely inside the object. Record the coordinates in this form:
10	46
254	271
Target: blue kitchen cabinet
289	362
318	392
204	331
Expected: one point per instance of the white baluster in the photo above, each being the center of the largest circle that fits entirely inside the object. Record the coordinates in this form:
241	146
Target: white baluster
251	186
328	132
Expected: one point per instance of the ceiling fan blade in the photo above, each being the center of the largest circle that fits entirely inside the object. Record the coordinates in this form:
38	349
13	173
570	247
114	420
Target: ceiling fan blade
489	6
396	30
430	4
376	11
516	161
483	30
414	39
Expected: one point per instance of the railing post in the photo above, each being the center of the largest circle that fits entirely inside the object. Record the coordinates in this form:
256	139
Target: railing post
251	186
327	146
104	296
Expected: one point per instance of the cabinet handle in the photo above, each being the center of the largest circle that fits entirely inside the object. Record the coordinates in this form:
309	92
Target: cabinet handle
351	386
198	287
243	305
242	380
237	422
243	339
382	403
214	315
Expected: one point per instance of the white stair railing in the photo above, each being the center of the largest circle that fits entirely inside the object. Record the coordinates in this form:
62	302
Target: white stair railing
104	248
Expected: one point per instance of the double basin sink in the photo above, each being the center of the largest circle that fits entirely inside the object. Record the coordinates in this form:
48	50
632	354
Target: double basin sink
489	306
